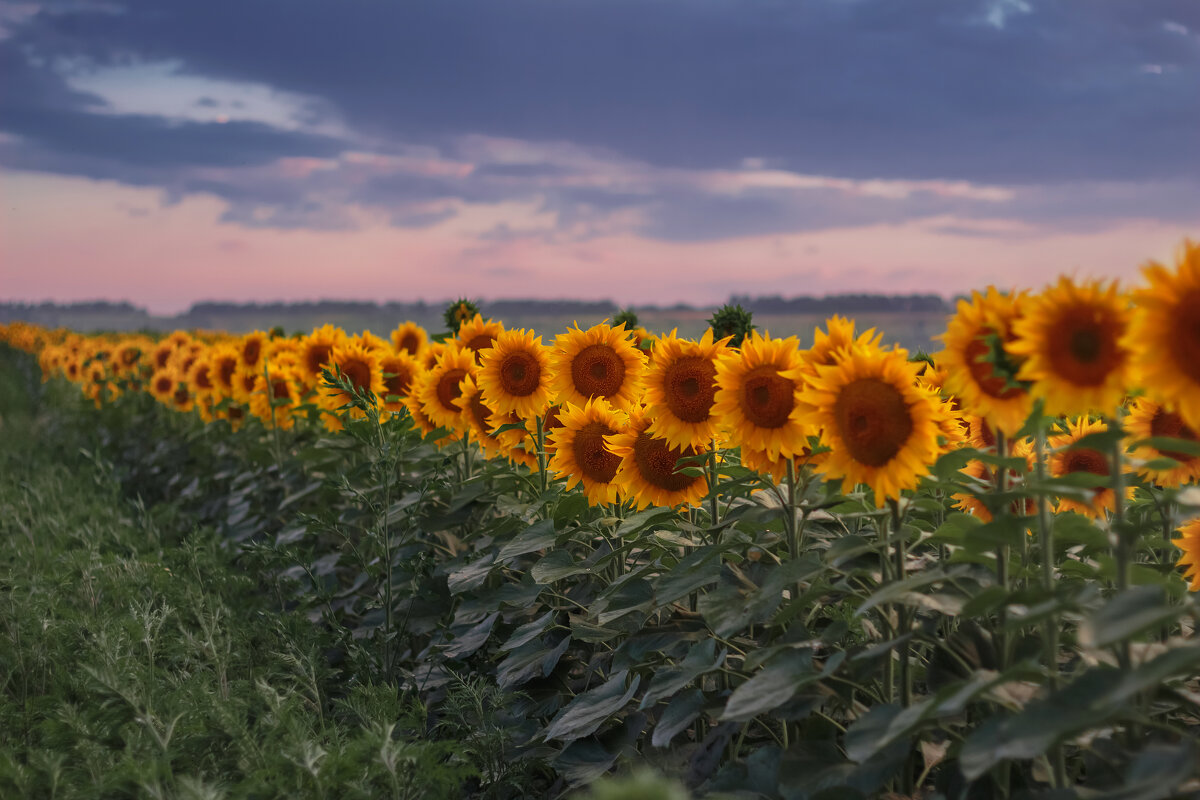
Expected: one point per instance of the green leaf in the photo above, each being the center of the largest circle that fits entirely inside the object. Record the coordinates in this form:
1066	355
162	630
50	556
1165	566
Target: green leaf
1167	444
1126	615
535	659
585	713
538	536
896	589
697	569
701	658
529	631
556	565
473	638
775	685
680	712
472	575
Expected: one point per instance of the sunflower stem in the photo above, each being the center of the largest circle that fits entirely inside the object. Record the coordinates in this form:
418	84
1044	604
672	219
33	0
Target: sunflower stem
885	612
714	504
1050	626
1122	545
541	454
903	621
1002	559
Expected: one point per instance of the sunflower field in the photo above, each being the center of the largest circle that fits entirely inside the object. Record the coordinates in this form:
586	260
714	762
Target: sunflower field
766	567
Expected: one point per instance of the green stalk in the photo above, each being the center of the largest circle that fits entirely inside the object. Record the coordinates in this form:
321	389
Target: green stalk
714	505
1002	561
541	453
1122	545
1050	627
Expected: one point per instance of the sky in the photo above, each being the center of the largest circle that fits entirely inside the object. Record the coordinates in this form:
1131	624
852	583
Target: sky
645	151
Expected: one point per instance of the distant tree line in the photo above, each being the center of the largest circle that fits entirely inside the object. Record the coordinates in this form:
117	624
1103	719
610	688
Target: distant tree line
841	303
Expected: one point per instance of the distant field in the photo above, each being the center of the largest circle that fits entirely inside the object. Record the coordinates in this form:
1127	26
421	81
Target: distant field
911	329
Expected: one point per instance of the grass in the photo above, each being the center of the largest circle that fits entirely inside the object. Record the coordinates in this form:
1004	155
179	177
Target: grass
138	659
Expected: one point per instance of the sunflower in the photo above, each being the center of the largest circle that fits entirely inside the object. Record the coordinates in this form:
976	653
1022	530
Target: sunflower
162	385
359	365
1166	333
763	464
430	355
478	417
580	453
984	479
514	374
1148	419
1073	338
1189	557
442	388
315	350
477	334
756	397
184	357
410	338
399	370
161	355
245	384
648	472
839	334
981	372
416	411
1066	459
978	434
551	420
250	349
203	387
276	401
600	362
522	455
223	361
881	427
127	355
681	387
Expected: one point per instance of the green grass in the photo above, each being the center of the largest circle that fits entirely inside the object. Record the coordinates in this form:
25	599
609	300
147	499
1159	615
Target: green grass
137	659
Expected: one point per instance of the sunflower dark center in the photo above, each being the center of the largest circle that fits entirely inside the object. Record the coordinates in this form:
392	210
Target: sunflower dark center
1085	459
130	357
1083	346
656	461
235	412
400	380
317	357
520	374
592	457
181	396
984	372
204	378
482	341
357	372
983	431
767	398
598	371
161	358
280	391
480	413
689	385
410	343
162	385
448	389
225	369
1169	424
251	352
1185	335
873	420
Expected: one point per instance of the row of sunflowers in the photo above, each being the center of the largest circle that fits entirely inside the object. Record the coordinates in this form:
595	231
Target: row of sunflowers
634	417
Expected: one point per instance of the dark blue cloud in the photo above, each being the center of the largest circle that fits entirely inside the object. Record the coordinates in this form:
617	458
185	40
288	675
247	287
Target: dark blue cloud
1045	95
866	88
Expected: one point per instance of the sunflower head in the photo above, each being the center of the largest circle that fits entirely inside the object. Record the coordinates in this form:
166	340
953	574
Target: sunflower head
514	374
757	394
315	350
1068	458
880	425
416	411
1189	555
982	370
275	399
410	338
399	372
840	333
599	362
458	312
731	322
359	365
250	349
681	389
477	334
626	317
1073	339
1147	419
480	419
442	388
1165	333
649	472
581	454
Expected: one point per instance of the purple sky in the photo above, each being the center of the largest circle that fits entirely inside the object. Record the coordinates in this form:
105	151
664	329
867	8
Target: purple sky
168	151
